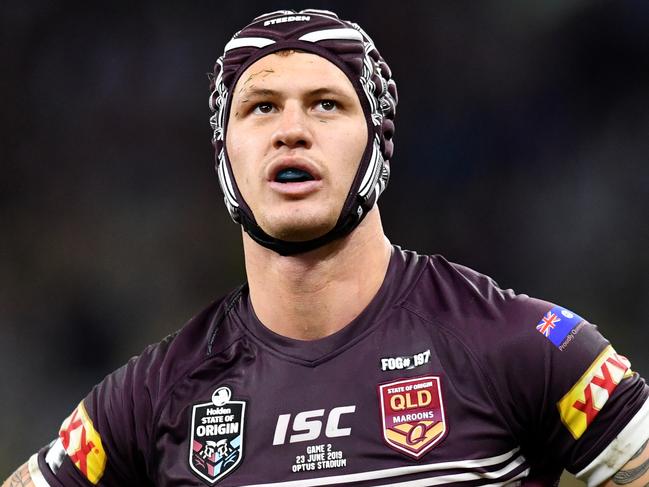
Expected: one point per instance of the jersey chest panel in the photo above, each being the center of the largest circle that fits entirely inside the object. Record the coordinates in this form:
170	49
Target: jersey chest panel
404	403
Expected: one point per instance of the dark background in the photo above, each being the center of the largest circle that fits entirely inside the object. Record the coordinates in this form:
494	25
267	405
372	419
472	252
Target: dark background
521	151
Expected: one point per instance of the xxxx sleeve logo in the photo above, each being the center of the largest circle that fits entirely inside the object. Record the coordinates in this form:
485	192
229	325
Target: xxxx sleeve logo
82	444
584	401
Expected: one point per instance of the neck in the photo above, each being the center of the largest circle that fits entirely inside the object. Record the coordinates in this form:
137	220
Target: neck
315	294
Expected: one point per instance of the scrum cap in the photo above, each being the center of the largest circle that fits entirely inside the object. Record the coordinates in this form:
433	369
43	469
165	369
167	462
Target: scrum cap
347	46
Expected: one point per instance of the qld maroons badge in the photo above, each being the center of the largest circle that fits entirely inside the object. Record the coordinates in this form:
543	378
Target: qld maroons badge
217	436
412	411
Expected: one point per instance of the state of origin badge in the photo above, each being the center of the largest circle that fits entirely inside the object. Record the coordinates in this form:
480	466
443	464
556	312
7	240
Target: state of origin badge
216	444
412	411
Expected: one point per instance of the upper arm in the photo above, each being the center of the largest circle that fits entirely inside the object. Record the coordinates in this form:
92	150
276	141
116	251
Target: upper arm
580	407
99	443
27	475
20	477
635	472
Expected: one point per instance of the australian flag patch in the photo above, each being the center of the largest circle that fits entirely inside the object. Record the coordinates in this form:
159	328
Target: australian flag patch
557	324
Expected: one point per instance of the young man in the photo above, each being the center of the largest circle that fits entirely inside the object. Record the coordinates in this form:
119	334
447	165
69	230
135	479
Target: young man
345	360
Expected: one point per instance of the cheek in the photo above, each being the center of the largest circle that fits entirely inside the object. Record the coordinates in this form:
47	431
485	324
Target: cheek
237	154
361	139
352	152
233	145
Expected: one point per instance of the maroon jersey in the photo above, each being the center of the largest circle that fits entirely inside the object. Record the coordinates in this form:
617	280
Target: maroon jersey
443	379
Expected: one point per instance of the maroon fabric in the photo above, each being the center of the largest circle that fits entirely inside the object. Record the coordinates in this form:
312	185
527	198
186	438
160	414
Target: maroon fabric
500	382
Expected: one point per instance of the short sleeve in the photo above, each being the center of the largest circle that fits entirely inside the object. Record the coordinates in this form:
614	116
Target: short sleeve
572	400
104	441
107	440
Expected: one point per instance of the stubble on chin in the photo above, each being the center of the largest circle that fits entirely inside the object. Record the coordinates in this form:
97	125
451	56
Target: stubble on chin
298	227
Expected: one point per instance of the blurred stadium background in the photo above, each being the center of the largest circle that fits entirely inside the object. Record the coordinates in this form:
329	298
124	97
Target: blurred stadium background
522	149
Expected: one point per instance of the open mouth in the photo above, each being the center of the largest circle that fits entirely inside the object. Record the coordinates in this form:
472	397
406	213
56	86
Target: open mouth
293	175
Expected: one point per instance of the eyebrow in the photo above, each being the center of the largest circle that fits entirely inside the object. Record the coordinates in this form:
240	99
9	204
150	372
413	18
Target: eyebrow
327	91
266	92
252	91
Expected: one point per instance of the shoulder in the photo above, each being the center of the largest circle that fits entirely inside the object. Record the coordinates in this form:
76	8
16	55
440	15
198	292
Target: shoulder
149	377
464	299
120	412
558	381
499	327
161	364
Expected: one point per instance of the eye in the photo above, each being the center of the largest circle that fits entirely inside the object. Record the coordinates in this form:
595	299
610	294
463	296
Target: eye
263	108
327	105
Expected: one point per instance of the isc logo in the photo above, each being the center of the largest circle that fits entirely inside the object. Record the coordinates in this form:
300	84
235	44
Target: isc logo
307	425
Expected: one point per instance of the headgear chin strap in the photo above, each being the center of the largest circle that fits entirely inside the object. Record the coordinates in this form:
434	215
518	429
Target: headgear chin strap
347	46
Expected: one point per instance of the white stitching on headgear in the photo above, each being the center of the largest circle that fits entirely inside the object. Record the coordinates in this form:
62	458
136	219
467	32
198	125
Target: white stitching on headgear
226	183
332	34
257	42
372	173
378	173
217	101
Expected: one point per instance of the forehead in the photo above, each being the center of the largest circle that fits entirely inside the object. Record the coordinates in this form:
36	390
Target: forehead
290	69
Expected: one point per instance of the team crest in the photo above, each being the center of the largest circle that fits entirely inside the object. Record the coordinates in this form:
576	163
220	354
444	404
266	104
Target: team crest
413	414
217	436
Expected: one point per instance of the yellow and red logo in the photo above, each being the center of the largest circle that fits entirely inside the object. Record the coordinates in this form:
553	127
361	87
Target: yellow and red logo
584	401
83	445
413	414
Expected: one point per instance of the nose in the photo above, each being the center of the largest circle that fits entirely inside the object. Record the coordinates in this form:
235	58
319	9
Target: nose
292	128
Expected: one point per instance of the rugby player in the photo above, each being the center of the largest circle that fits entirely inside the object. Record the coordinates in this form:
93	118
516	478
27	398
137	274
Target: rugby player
345	360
